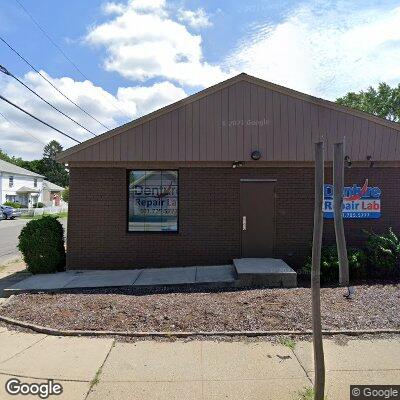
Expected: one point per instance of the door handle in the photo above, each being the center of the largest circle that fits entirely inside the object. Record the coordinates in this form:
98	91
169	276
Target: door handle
244	223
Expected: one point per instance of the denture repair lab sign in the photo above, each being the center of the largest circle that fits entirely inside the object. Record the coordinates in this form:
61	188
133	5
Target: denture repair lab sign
358	202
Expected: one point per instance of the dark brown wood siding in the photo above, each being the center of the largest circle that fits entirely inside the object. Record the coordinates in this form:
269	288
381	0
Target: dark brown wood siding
229	124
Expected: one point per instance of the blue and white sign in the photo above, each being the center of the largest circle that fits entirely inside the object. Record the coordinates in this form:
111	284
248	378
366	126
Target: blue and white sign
363	202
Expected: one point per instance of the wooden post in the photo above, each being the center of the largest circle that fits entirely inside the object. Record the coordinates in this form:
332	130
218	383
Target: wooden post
319	363
338	184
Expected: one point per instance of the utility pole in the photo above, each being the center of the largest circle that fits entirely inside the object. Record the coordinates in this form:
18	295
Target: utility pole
319	363
338	184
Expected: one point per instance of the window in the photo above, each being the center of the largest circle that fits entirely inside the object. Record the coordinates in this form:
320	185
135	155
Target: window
12	198
34	182
11	181
153	201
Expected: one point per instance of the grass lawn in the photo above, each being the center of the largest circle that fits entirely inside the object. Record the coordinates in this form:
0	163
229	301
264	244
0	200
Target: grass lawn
60	215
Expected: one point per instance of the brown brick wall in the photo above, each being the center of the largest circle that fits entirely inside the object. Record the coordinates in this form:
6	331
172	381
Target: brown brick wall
209	217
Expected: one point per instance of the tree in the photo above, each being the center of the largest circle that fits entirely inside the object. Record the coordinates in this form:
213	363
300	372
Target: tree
11	159
383	102
54	171
51	149
34	165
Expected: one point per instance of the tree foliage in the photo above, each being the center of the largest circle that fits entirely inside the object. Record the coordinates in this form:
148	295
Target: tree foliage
65	195
55	172
11	159
383	102
51	150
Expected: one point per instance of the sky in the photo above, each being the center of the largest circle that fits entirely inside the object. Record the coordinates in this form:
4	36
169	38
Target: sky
119	60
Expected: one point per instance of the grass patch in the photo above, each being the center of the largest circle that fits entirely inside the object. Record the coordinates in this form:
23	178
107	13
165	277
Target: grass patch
307	394
60	215
288	342
95	381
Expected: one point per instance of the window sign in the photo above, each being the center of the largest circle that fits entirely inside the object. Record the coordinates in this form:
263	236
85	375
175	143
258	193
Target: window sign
358	202
153	201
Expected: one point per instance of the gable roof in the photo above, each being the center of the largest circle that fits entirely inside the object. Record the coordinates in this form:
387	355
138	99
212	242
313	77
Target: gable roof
26	189
52	187
14	169
68	155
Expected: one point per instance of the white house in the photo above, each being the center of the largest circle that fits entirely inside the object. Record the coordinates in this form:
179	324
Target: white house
20	185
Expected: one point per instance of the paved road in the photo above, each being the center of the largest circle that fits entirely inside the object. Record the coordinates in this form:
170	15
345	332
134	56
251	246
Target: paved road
99	369
9	231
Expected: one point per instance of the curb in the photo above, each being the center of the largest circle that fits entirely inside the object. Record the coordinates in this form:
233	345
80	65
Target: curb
60	332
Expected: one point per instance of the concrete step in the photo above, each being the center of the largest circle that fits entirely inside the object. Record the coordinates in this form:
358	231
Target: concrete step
271	272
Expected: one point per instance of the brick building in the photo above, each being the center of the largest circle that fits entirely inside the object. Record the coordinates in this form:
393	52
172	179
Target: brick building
226	173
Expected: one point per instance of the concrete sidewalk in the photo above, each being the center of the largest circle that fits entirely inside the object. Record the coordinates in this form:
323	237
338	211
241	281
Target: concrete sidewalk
10	274
213	276
101	369
243	272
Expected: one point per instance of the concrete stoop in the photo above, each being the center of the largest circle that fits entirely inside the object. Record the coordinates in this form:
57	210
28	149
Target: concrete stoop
270	272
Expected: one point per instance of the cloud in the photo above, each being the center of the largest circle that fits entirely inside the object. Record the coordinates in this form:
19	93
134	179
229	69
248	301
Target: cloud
325	49
150	98
128	103
154	6
196	19
143	42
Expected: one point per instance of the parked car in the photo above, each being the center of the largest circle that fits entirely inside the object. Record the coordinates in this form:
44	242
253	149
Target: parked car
8	212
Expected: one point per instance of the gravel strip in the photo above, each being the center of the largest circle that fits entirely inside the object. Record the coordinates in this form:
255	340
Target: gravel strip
374	307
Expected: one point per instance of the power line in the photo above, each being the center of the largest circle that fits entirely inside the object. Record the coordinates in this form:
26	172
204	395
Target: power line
7	72
20	127
37	119
59	48
51	40
50	83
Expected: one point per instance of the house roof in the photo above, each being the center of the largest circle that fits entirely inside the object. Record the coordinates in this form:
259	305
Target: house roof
52	187
26	189
81	152
14	169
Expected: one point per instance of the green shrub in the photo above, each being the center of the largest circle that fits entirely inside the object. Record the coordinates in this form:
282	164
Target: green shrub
383	254
38	205
41	243
12	204
330	264
65	195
